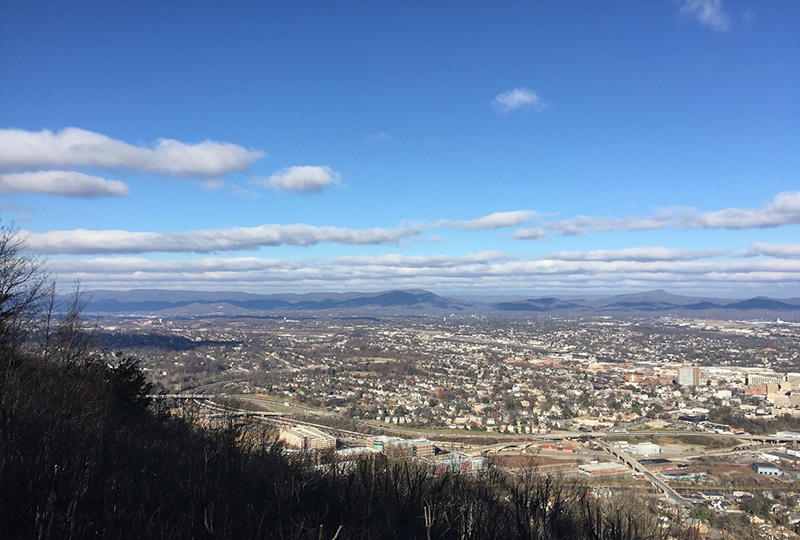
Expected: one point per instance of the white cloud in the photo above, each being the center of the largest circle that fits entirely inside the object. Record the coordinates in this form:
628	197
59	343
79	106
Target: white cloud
423	261
74	147
530	234
641	254
301	179
584	224
517	99
61	184
496	220
708	12
209	240
783	210
780	251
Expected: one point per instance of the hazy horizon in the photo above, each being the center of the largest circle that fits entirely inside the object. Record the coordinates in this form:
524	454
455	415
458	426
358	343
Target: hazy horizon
456	295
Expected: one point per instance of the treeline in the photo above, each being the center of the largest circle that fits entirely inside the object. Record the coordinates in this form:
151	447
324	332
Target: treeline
84	454
755	426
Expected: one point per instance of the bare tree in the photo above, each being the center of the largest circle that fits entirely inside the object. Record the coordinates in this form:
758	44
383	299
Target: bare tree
24	289
65	336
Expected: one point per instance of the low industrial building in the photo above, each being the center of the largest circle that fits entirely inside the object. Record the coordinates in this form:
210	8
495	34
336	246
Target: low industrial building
766	468
307	438
683	475
644	449
604	469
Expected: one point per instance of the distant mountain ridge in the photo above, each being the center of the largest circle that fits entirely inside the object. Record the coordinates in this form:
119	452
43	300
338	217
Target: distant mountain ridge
139	301
654	301
418	302
539	304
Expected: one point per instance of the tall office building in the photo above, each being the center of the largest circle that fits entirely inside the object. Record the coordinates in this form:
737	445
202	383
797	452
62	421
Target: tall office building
689	376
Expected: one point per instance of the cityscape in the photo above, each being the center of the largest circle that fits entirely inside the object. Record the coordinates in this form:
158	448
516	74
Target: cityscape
702	415
357	270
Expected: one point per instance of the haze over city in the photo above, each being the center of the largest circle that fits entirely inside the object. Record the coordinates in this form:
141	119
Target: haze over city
522	148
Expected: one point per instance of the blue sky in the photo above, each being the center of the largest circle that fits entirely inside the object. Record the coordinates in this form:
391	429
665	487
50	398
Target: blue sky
463	147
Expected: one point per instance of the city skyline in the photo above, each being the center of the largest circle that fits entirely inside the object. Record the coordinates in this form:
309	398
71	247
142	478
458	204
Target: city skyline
481	149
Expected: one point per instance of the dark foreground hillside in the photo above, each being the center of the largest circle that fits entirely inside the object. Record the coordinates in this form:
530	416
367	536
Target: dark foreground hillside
82	455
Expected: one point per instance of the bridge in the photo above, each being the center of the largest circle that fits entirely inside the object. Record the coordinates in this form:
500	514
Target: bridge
181	396
633	463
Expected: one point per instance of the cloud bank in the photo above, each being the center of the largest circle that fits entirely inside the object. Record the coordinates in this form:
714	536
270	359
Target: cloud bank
584	224
61	184
82	241
78	148
490	271
780	251
784	209
641	254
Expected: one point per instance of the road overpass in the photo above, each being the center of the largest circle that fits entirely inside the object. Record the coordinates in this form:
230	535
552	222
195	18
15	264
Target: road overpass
633	463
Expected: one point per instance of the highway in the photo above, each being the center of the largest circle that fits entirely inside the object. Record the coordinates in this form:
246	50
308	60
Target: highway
521	442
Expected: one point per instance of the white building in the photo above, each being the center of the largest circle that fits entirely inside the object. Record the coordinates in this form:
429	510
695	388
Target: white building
689	376
307	438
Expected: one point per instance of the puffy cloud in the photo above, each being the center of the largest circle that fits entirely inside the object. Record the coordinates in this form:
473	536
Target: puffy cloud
783	210
302	179
74	147
209	240
496	220
517	99
780	251
637	254
708	13
61	184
